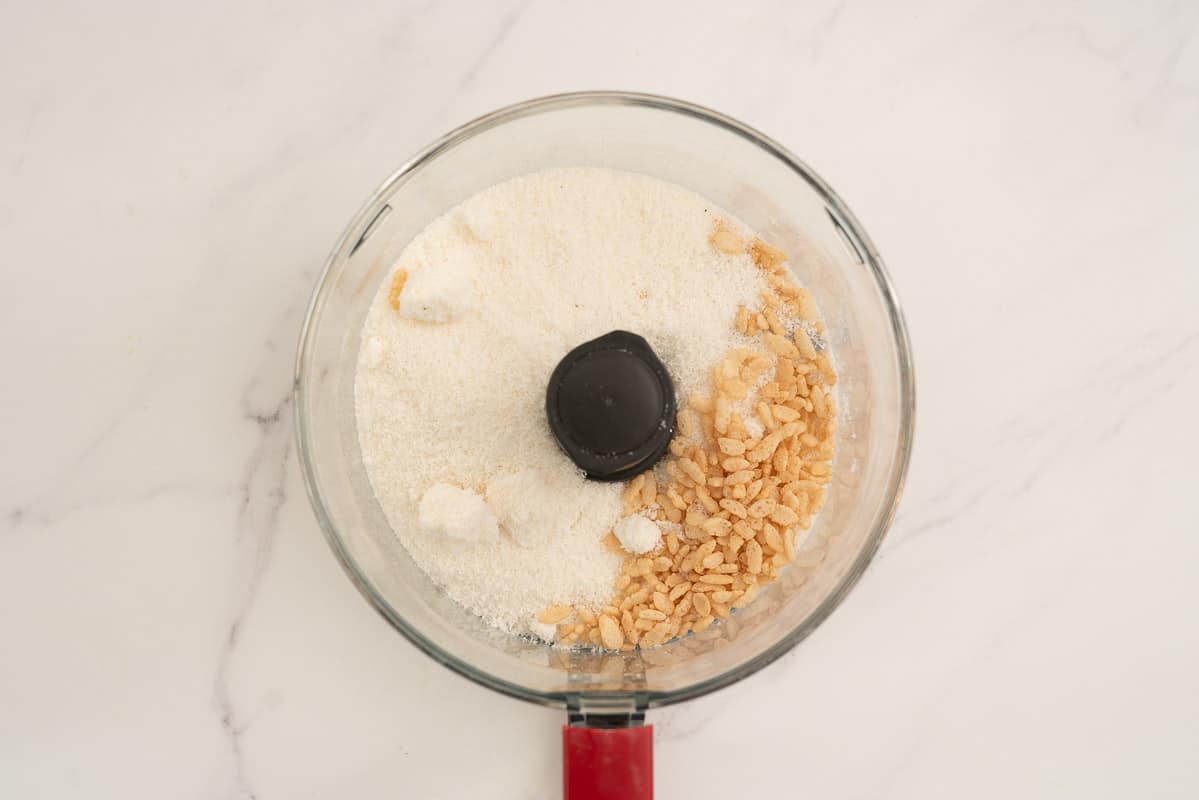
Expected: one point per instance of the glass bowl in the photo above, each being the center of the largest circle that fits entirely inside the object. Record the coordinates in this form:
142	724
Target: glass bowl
748	175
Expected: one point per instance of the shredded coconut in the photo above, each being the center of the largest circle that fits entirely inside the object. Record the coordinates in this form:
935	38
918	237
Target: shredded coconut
553	259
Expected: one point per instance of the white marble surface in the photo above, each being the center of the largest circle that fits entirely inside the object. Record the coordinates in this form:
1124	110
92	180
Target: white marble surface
175	626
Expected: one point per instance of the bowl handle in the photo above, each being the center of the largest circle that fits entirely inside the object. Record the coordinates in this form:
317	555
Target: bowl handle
608	763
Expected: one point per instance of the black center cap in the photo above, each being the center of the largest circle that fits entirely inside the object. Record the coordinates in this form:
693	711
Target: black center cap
611	406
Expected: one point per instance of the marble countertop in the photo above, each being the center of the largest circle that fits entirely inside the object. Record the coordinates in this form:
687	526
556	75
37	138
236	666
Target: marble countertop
175	625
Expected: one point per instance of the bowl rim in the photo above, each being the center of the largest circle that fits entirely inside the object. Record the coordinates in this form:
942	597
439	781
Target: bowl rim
846	221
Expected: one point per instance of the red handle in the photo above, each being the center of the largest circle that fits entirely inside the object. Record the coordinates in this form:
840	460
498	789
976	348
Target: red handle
608	763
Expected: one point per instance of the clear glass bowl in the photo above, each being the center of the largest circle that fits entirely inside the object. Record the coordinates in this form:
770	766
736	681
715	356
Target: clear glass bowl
750	176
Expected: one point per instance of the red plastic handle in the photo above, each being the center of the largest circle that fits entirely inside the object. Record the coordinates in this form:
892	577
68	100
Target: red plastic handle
608	763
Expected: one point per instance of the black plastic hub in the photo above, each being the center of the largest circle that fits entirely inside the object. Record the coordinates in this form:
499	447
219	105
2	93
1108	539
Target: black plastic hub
611	406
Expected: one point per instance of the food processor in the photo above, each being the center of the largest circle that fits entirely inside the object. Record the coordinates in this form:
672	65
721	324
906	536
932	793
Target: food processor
607	745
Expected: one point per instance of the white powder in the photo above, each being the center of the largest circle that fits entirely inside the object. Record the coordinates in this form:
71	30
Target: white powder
438	292
539	264
543	631
638	534
534	504
456	513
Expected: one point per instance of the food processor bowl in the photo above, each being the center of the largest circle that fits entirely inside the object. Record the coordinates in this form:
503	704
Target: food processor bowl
751	177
